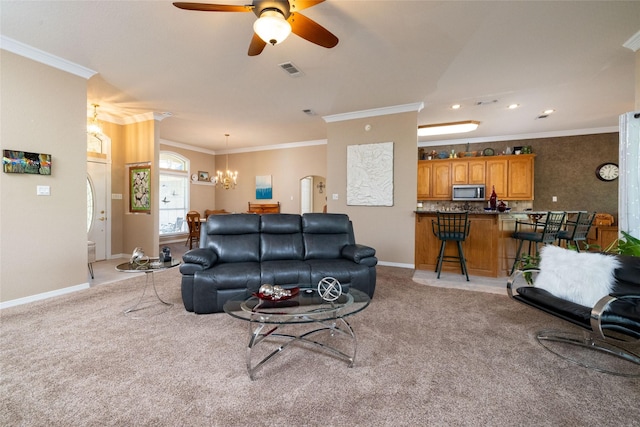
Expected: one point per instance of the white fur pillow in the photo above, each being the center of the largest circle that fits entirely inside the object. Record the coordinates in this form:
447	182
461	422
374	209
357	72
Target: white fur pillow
580	277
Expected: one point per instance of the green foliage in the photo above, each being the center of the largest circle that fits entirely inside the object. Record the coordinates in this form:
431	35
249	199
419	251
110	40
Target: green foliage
626	245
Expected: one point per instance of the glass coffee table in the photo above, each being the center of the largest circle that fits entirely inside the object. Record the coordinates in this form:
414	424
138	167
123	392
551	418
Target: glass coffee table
147	268
309	314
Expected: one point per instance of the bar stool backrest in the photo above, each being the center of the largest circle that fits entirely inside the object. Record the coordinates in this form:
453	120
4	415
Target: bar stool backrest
452	225
581	226
552	226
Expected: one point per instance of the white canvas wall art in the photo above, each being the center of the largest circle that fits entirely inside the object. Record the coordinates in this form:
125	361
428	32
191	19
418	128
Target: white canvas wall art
370	174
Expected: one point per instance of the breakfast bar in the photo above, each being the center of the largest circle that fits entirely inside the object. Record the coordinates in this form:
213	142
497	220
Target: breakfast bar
489	249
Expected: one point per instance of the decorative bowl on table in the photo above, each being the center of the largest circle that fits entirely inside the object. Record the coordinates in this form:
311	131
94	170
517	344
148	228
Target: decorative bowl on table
276	293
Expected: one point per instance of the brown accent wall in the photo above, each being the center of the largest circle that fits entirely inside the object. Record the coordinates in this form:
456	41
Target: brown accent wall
565	167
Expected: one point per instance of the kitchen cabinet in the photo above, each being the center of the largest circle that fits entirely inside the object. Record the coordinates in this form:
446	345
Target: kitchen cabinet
424	179
520	178
512	176
496	177
441	181
467	172
480	247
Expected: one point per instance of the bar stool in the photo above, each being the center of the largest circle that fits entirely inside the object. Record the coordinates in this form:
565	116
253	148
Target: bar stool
451	226
576	231
543	232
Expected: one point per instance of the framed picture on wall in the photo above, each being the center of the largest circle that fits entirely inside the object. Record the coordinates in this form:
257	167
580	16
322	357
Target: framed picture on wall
264	189
140	188
203	176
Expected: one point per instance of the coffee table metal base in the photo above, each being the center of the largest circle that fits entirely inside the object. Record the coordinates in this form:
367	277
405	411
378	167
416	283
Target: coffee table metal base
137	307
261	332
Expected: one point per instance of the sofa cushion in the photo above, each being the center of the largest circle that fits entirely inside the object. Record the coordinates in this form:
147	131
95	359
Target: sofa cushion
285	272
325	235
579	277
281	237
234	238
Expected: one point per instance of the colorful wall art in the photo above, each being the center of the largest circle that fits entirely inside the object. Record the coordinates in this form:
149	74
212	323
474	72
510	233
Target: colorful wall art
14	161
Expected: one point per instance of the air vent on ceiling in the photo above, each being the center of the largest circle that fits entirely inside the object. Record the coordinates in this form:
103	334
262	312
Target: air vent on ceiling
291	69
309	112
493	101
542	116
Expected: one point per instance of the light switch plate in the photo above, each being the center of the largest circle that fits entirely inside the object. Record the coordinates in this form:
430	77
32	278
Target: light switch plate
335	196
43	190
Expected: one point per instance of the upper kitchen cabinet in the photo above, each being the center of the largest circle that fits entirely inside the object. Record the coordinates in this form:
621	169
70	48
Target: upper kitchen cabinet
467	172
512	176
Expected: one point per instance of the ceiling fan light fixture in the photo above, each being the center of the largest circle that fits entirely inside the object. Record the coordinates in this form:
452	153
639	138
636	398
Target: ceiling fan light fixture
272	27
448	128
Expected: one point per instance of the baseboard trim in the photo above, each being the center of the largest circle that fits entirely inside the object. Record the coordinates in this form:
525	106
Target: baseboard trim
396	264
44	295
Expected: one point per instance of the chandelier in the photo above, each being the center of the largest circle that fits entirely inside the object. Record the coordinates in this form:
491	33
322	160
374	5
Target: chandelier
93	127
227	179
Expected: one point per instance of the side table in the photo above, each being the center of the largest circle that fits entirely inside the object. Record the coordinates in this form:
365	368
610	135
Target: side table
128	267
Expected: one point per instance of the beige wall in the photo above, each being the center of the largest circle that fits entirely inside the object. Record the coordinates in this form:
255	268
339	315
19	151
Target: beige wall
390	230
141	145
286	167
43	244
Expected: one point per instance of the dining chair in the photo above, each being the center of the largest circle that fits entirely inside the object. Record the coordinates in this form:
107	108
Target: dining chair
193	221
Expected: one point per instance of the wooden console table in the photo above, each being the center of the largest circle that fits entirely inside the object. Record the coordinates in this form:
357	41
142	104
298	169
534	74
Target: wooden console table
264	208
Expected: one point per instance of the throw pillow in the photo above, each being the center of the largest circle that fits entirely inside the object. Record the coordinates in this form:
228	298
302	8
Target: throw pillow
579	277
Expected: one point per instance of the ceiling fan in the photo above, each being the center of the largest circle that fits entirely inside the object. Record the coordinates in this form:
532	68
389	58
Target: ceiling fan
276	20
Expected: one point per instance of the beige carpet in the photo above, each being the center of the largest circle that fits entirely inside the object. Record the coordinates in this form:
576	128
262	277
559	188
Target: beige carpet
426	356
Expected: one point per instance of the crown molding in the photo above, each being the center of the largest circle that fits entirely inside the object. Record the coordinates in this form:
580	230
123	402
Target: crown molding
405	108
43	57
633	43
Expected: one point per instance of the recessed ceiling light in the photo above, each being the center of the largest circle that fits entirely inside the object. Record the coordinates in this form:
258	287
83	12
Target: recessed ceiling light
513	106
549	111
456	106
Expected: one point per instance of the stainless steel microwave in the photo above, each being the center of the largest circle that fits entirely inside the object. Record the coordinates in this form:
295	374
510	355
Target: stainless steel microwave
468	192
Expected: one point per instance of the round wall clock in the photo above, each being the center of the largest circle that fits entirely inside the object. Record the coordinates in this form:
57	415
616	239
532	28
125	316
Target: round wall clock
607	172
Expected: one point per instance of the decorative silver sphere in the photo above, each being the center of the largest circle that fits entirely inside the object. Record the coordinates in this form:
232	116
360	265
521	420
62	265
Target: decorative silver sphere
266	290
329	289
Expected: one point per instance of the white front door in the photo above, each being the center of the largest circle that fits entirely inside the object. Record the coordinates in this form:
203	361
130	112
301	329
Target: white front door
97	207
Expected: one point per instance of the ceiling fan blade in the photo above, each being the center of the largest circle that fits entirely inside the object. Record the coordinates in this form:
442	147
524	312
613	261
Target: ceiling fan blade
256	46
205	7
310	30
298	5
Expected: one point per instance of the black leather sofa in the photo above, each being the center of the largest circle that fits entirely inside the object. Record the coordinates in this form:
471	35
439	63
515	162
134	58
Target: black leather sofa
240	252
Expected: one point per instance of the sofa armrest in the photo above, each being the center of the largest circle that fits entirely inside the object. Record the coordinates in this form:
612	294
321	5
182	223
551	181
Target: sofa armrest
198	259
625	311
357	253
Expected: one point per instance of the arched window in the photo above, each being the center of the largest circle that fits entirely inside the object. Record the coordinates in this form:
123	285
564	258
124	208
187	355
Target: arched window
174	193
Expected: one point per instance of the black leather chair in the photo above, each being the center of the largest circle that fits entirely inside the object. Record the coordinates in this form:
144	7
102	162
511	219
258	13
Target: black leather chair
611	326
537	232
576	230
451	226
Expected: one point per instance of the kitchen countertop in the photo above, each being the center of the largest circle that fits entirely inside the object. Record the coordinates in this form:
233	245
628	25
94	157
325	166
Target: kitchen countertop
487	212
